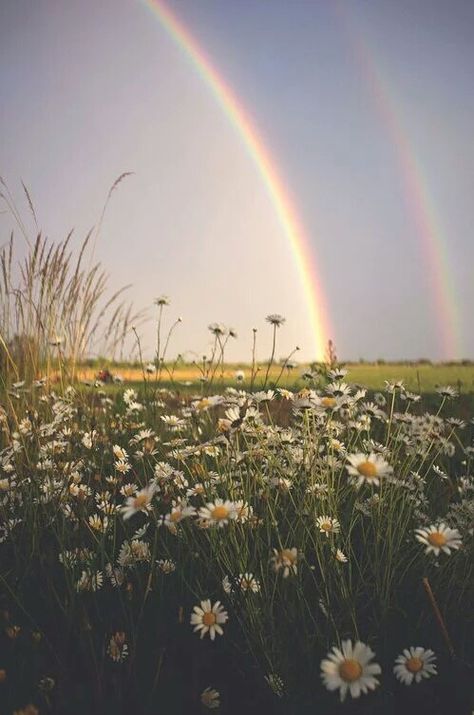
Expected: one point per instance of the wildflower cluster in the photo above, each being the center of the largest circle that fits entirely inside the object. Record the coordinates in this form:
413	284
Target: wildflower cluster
270	517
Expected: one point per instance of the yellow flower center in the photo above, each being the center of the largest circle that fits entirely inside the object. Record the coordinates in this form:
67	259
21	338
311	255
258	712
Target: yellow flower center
328	401
219	513
140	501
175	516
350	670
326	526
367	469
414	665
436	538
209	618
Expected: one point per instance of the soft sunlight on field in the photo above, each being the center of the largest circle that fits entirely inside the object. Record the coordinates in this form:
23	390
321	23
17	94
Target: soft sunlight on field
419	377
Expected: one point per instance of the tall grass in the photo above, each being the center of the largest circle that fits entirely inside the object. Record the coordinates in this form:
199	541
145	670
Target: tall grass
55	305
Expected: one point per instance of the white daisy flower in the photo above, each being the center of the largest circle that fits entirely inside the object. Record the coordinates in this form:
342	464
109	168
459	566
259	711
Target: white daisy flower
227	585
447	391
210	698
166	565
285	560
119	452
248	582
275	319
209	619
349	669
327	525
218	513
140	502
340	556
368	468
327	402
179	511
115	574
90	581
414	664
132	552
117	648
439	537
217	329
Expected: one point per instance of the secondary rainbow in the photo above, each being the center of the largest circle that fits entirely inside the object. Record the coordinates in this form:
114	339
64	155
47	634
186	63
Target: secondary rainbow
416	189
265	164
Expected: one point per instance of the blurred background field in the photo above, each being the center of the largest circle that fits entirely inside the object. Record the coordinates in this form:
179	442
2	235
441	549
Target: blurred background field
418	377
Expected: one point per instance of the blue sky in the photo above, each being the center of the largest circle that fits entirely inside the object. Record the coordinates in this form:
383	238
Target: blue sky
93	88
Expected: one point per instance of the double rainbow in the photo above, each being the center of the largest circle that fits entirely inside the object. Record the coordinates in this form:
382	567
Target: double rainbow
419	201
279	194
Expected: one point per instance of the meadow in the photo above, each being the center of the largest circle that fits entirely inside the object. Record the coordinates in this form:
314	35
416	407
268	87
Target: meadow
257	542
422	377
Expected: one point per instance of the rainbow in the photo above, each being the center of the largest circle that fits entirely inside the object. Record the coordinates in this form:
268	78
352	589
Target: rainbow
420	203
264	163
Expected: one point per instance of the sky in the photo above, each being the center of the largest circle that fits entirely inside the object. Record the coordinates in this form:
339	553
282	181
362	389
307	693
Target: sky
366	108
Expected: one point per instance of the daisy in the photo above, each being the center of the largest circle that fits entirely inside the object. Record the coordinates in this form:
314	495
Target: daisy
166	565
349	669
218	513
119	452
275	319
122	466
210	698
115	574
368	468
208	619
340	556
339	389
216	329
140	502
98	523
263	396
117	648
248	582
132	552
173	422
327	525
90	581
227	585
285	559
196	491
129	489
337	373
328	402
447	391
414	664
439	537
179	511
391	387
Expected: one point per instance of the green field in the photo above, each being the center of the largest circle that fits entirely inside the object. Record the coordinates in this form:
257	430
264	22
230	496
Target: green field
417	377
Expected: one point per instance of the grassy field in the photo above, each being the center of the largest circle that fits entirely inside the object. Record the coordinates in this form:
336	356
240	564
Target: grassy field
417	377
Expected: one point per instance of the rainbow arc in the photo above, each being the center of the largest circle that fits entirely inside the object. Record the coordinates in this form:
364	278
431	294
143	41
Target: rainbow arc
266	165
